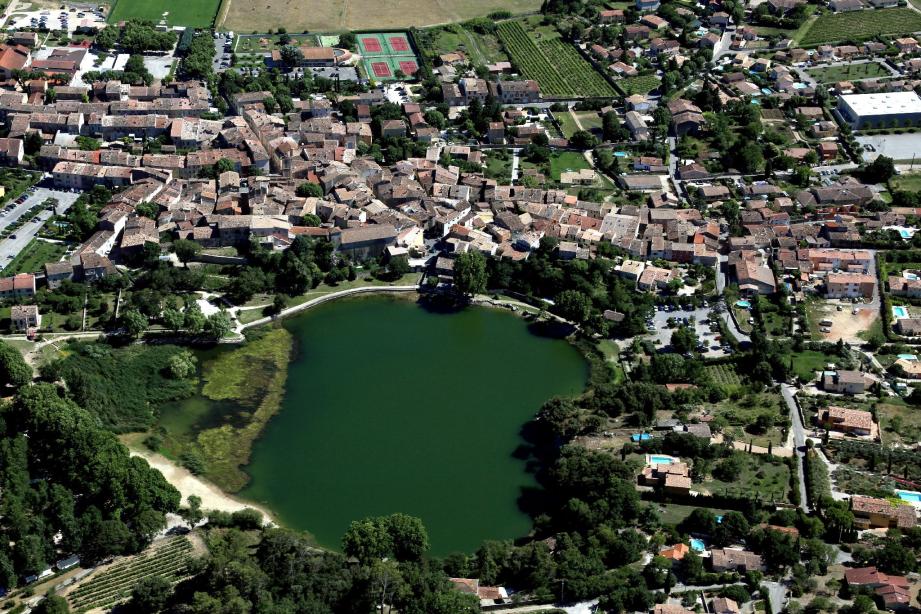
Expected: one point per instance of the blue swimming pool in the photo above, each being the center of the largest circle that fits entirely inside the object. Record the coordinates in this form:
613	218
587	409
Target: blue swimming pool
911	496
620	154
719	519
658	459
908	357
640	437
743	304
905	233
899	311
698	545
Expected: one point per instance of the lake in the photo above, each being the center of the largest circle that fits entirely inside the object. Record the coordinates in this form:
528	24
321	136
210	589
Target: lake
390	407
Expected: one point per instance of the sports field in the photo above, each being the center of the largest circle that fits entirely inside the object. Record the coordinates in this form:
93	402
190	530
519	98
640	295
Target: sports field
383	54
861	25
339	15
194	13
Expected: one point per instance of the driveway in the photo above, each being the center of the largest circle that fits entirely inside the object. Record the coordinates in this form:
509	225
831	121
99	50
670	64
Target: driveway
24	235
799	441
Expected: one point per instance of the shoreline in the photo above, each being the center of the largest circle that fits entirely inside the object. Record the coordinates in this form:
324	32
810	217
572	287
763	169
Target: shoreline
212	497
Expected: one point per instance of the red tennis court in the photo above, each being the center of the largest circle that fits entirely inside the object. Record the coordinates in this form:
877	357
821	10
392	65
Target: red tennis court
371	44
409	68
398	43
381	69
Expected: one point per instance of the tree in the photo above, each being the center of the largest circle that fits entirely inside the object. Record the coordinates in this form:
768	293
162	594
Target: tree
193	513
573	305
881	170
582	139
181	364
150	594
53	604
408	537
470	273
366	540
309	189
135	322
14	370
683	340
186	250
107	38
173	319
218	325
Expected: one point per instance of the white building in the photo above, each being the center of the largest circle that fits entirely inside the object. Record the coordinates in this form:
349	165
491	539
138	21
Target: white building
885	110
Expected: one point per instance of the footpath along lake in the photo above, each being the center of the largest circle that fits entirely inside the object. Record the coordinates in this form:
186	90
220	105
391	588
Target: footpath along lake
389	407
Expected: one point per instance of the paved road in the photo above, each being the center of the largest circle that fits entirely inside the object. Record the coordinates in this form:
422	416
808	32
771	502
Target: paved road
799	442
777	595
10	247
515	160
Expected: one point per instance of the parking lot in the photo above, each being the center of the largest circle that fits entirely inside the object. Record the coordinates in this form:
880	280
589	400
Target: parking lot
700	318
223	46
49	19
895	146
17	242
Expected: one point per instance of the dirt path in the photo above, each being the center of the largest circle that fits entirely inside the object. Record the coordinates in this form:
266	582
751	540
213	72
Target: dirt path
212	497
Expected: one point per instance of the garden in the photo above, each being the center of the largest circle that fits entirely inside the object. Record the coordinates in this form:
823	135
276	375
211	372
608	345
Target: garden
759	418
641	84
848	72
567	75
33	256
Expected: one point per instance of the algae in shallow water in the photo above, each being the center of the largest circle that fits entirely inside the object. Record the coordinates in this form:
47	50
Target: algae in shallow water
254	376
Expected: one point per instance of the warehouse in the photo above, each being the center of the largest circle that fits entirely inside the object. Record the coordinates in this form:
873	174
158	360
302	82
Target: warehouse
886	110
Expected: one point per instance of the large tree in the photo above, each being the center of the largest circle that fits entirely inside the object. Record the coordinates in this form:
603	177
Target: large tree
470	273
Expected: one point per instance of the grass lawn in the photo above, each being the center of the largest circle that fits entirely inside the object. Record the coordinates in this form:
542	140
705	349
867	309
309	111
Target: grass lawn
848	72
15	182
324	16
567	123
861	25
499	168
33	256
763	476
740	416
908	182
566	160
807	362
265	42
672	513
195	13
899	423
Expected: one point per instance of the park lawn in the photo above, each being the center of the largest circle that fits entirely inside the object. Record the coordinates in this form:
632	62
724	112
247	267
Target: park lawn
848	72
194	13
861	25
566	160
265	43
33	256
907	182
324	16
763	477
898	422
740	414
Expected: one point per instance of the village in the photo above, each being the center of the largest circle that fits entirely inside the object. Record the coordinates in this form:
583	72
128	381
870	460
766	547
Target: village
734	184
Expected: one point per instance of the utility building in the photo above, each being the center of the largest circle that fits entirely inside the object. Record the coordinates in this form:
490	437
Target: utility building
886	110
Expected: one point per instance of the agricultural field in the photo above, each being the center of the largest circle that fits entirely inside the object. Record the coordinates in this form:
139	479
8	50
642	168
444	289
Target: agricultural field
861	25
567	75
33	256
195	13
480	49
113	585
638	85
848	72
724	375
324	16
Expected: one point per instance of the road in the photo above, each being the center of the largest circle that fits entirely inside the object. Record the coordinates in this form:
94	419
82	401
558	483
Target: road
799	442
515	160
777	595
10	247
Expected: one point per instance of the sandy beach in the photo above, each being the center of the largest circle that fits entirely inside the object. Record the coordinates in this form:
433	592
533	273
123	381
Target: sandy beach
212	497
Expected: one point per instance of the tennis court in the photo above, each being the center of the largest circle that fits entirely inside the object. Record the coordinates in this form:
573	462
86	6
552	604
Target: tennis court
385	53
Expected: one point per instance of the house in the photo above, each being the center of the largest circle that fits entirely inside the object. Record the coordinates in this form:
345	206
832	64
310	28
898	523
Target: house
18	286
13	58
906	44
675	553
872	513
754	278
488	595
849	285
724	605
782	7
647	5
516	92
57	272
850	421
844	6
732	559
24	317
894	591
365	241
393	128
611	16
674	478
637	126
844	382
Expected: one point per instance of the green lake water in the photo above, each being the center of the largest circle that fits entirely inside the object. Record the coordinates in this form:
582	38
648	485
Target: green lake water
390	408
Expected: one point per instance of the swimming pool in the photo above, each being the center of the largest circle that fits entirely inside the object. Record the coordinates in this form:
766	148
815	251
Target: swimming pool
908	357
640	437
899	311
743	304
909	276
661	459
719	519
905	233
620	154
912	496
698	545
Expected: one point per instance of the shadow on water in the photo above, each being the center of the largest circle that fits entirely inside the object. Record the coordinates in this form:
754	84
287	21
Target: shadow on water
442	303
551	329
